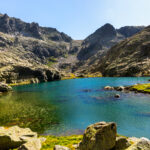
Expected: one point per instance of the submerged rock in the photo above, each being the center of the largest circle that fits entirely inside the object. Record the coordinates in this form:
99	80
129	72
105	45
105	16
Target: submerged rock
117	96
99	136
4	87
16	137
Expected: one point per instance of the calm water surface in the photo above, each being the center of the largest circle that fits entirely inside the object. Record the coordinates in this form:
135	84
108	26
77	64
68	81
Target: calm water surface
69	106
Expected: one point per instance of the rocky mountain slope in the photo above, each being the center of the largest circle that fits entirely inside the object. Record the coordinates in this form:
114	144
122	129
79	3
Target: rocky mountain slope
27	49
104	38
30	53
97	44
130	57
17	64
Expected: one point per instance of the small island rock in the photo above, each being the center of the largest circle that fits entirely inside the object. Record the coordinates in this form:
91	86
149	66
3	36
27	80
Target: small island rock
120	88
117	96
108	88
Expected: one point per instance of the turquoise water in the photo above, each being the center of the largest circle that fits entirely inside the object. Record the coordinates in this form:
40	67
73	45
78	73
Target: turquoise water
69	106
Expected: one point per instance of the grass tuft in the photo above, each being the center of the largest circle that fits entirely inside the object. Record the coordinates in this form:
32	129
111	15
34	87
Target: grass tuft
67	141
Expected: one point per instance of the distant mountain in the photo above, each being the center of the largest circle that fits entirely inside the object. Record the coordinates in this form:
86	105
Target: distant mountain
130	57
104	38
128	31
16	26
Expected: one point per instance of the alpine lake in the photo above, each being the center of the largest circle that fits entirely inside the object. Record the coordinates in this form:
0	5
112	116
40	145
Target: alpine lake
67	107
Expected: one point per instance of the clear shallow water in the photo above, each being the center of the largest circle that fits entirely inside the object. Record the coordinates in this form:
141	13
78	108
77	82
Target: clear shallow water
69	106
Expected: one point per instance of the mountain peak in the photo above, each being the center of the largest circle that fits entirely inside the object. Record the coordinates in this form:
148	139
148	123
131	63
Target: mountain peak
106	30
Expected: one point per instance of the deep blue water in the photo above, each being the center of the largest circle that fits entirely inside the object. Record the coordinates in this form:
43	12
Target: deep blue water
81	102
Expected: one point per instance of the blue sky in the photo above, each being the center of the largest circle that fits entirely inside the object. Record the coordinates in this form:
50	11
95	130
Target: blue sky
79	18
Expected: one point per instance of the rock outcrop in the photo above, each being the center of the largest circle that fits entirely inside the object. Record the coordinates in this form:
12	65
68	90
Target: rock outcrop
4	87
34	74
19	138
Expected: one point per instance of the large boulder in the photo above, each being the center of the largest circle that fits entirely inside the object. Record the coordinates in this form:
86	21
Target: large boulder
33	144
99	136
16	137
4	87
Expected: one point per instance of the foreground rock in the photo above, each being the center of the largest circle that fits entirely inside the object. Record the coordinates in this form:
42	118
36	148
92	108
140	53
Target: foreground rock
140	144
99	136
19	138
4	87
58	147
121	143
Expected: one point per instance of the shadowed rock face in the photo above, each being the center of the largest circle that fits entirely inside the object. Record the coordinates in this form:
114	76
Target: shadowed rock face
128	31
97	41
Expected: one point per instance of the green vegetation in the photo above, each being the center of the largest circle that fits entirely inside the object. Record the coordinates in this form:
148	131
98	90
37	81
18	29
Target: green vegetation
67	141
145	88
73	76
20	83
26	110
51	60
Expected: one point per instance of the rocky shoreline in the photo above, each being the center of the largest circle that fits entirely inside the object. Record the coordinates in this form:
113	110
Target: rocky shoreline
137	88
98	136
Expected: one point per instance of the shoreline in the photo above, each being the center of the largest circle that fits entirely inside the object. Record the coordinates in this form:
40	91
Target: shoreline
95	135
